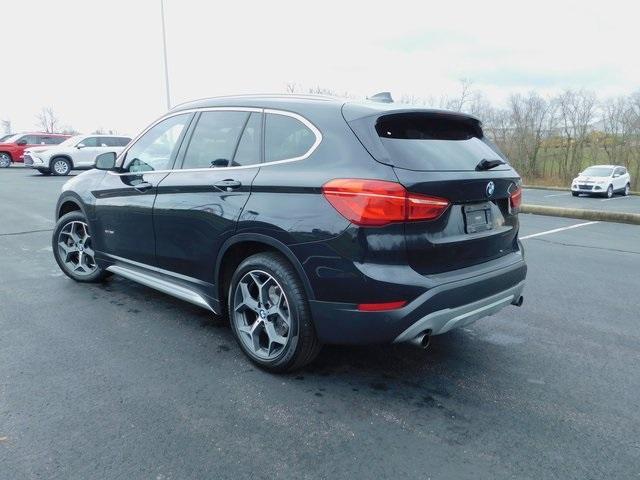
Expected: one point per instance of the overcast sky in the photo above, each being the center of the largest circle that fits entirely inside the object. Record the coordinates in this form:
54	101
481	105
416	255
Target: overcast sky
99	63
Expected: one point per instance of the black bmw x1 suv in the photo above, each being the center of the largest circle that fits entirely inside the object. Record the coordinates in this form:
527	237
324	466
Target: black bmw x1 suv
306	220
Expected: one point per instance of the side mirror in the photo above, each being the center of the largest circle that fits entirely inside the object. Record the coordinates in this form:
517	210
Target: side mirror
80	145
22	143
106	161
220	162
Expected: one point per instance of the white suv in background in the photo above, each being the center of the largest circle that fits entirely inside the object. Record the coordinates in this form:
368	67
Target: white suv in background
602	180
78	152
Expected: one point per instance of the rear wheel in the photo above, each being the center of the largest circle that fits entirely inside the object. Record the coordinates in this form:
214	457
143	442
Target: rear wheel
5	160
60	166
270	315
73	249
627	189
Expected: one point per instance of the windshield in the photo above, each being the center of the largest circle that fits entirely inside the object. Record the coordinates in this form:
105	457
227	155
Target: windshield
71	141
3	138
11	138
598	172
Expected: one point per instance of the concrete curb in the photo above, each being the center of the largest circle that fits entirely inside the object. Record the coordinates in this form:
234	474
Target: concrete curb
597	215
559	189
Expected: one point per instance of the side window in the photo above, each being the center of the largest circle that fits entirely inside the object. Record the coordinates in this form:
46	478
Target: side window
31	139
105	142
154	150
215	139
122	141
286	138
52	140
90	142
248	152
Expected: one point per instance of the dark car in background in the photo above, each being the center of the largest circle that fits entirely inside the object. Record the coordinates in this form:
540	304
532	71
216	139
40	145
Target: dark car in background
12	148
306	220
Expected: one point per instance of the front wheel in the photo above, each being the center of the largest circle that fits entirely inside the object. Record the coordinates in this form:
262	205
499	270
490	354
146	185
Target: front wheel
5	160
60	166
627	190
73	249
270	315
609	193
575	194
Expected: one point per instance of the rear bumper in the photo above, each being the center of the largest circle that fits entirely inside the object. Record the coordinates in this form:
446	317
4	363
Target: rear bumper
452	301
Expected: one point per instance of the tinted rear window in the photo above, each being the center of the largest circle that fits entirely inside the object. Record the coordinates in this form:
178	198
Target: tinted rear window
419	141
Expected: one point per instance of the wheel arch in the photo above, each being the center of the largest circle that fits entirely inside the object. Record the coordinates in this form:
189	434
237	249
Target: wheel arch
68	204
247	244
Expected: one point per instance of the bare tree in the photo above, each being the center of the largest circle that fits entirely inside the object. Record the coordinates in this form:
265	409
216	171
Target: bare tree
577	110
530	119
6	125
47	120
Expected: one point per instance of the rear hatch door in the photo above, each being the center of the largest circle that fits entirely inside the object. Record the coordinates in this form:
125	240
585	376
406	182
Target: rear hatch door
438	154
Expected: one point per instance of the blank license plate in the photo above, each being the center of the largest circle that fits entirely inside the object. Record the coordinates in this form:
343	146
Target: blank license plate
478	217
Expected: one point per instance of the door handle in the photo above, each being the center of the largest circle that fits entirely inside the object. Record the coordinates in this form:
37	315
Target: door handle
142	186
228	185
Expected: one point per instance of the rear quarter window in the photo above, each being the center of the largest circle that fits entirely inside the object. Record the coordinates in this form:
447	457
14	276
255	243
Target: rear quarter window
432	142
286	138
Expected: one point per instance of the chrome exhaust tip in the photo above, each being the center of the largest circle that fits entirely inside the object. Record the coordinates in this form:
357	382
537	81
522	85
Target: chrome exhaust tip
422	340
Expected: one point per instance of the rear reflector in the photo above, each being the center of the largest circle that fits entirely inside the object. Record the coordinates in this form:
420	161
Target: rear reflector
381	307
378	202
516	198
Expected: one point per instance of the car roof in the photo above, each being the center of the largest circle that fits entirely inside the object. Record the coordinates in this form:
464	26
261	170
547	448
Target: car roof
352	109
605	166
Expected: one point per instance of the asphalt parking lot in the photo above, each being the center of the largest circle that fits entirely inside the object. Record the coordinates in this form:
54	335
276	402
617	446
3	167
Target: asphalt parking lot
119	381
555	198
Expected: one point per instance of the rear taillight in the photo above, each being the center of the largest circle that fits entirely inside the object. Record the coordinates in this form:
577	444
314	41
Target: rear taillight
378	202
516	198
381	307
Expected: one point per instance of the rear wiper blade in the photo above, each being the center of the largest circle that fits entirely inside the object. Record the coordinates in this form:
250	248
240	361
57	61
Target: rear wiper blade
485	164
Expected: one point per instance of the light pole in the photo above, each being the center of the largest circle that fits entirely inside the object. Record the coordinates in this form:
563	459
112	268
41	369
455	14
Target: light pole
164	50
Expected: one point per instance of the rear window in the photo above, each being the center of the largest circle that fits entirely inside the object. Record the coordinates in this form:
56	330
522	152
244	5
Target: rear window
418	141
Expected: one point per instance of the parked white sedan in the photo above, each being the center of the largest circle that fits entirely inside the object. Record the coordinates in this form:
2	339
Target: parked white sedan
602	180
78	152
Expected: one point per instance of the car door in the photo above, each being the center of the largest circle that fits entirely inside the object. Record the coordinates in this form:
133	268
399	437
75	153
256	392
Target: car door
86	152
124	200
199	203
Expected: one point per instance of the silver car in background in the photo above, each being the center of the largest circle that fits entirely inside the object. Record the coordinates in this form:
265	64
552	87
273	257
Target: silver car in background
78	152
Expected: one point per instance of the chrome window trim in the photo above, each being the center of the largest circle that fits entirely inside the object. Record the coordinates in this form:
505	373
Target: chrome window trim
297	116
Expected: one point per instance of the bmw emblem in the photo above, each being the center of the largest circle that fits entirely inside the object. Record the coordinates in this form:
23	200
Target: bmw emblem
491	187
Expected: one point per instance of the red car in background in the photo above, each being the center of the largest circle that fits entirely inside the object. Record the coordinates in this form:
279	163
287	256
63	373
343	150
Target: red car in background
12	149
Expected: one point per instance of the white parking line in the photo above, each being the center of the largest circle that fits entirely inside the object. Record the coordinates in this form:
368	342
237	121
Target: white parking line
557	195
557	230
614	198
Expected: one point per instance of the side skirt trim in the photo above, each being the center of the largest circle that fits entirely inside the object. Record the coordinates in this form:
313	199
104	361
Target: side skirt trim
161	285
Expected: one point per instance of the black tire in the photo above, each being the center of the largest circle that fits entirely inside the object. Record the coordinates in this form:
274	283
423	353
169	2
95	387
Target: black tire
5	160
60	166
44	172
302	345
94	273
626	190
575	194
609	192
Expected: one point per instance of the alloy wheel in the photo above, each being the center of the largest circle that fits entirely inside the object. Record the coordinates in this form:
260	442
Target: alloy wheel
626	189
610	192
75	249
61	167
261	315
5	160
